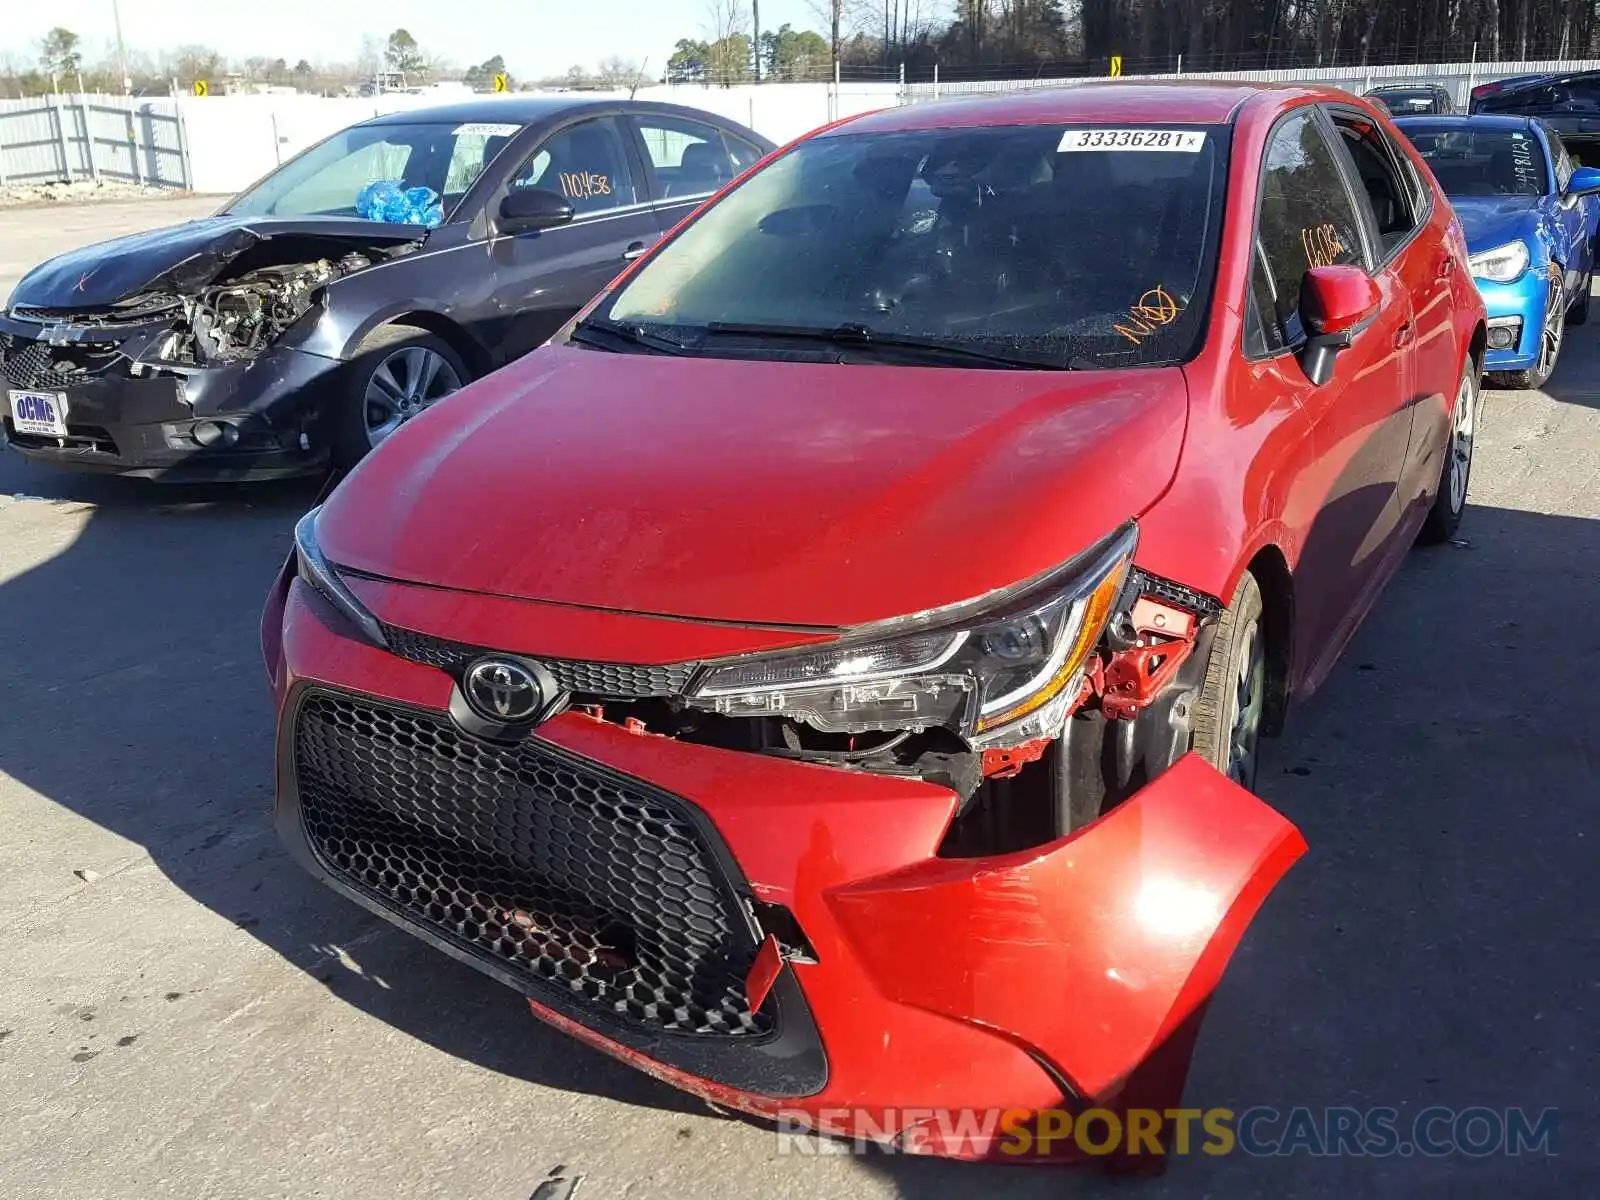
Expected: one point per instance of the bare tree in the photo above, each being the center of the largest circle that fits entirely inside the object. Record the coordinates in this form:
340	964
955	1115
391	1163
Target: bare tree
615	72
729	51
832	14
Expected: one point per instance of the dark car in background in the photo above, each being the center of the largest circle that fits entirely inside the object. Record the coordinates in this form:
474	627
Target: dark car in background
1495	86
1412	99
349	289
1569	104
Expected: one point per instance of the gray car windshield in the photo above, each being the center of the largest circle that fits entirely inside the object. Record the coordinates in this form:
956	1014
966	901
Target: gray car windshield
352	173
1481	162
1045	245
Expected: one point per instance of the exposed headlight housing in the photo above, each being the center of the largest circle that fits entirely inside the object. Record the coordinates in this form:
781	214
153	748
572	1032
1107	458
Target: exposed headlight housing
999	670
1502	264
317	571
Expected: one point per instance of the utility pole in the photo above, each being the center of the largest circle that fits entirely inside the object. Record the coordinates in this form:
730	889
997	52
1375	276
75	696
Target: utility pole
755	20
122	54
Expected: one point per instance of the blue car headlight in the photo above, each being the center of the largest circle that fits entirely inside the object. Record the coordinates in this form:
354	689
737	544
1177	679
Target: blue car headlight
1501	264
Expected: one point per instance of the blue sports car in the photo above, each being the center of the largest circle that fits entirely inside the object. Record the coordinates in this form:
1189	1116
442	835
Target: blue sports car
1530	218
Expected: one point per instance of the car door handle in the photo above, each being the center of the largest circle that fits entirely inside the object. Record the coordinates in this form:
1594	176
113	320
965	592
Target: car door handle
1405	334
637	250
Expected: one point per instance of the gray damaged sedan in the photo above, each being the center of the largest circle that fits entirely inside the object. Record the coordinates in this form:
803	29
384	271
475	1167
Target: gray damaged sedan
357	284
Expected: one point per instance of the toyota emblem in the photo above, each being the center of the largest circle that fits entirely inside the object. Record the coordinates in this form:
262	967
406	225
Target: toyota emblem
501	690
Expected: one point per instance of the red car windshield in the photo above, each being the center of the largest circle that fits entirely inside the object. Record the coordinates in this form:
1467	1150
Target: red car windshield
1047	245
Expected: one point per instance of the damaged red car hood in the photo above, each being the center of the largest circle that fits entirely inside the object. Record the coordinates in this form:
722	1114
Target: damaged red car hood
756	491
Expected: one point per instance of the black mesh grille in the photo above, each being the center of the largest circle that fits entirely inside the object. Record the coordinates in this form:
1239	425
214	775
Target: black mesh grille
619	680
605	891
25	362
32	364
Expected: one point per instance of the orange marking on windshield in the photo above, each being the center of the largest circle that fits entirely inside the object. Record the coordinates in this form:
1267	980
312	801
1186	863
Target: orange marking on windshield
1155	309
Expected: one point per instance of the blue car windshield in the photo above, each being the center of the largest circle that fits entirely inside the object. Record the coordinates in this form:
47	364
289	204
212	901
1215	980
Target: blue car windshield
1482	162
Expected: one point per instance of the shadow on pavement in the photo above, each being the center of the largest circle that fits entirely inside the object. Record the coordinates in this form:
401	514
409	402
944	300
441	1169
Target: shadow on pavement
1436	946
136	698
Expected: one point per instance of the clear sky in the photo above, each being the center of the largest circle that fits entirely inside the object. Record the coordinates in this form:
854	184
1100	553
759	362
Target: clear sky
535	37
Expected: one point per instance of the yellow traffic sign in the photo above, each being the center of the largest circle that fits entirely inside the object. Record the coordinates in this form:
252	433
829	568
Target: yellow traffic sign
501	83
1116	65
202	88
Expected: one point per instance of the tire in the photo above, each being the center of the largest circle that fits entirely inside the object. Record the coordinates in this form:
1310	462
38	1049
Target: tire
1229	712
1450	503
1550	340
409	368
1578	314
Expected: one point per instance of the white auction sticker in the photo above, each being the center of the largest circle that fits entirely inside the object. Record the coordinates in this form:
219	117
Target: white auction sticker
486	129
1182	141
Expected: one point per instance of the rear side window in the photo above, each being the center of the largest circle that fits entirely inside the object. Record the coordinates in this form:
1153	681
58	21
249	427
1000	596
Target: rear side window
1388	189
1307	219
689	159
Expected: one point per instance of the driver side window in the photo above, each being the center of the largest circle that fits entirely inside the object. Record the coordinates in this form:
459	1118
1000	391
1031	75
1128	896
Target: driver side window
586	163
1307	219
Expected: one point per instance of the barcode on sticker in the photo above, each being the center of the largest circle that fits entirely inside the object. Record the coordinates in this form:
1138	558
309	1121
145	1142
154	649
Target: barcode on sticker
1182	141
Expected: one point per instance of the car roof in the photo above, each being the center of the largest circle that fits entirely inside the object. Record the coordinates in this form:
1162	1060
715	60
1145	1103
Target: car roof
1185	102
1406	87
530	110
1464	121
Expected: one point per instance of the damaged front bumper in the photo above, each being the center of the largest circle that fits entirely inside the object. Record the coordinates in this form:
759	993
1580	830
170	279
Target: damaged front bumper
251	419
874	973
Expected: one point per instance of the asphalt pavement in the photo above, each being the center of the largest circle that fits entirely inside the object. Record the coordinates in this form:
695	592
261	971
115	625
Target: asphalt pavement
183	1012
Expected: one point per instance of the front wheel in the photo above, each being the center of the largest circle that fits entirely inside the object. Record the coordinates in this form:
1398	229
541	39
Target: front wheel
1229	713
399	371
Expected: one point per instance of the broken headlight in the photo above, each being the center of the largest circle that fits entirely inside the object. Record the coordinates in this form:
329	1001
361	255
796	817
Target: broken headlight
999	670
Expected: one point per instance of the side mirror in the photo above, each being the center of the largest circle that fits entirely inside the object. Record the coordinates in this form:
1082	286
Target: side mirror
532	208
1336	303
1585	181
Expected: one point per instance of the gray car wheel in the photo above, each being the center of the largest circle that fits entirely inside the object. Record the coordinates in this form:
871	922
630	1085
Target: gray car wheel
399	372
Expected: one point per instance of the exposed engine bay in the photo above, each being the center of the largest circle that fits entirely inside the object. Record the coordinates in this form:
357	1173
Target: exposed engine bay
239	317
182	320
1128	721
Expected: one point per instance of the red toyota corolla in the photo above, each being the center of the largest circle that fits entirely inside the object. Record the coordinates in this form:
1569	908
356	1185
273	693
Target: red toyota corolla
828	674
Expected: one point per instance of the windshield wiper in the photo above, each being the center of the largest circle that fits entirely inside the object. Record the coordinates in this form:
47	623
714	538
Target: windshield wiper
853	334
633	334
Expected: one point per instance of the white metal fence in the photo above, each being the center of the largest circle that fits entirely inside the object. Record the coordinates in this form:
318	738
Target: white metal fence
223	143
1458	78
63	138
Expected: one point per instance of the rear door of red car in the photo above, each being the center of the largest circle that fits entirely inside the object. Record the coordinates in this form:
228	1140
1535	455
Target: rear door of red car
1359	422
